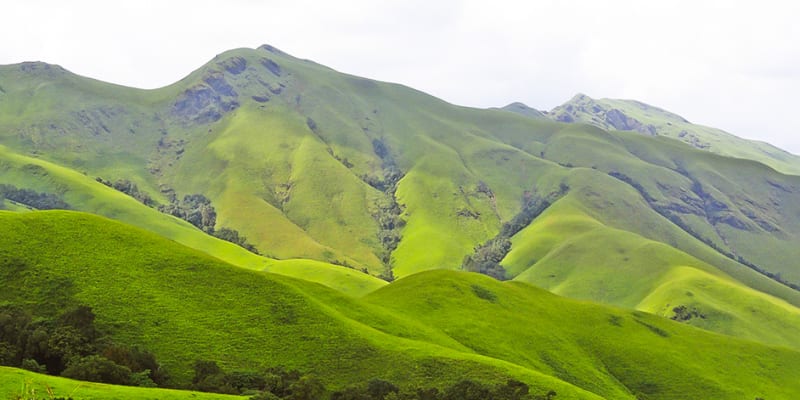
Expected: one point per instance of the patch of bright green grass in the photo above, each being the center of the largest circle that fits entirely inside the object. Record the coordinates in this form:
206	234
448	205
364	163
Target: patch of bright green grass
20	384
612	352
558	252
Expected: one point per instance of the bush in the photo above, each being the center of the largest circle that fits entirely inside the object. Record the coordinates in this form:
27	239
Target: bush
97	369
31	365
142	379
306	388
32	198
378	389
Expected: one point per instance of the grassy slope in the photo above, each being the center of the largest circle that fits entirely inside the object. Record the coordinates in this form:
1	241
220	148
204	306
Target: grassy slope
427	329
145	290
609	351
557	252
17	383
86	194
295	187
298	190
345	280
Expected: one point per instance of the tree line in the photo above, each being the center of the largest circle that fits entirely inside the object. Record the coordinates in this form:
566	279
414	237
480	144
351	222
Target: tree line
32	198
195	209
70	345
487	256
278	383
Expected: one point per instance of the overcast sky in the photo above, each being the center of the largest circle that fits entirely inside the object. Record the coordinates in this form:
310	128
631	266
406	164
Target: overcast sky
734	65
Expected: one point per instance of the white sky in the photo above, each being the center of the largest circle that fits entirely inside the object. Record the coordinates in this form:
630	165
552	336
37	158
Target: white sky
734	65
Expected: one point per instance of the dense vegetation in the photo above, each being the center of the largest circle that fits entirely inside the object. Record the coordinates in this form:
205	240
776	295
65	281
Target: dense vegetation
32	198
71	346
131	189
487	257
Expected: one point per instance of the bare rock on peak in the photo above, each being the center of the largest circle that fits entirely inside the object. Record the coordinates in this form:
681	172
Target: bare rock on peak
234	65
271	49
271	66
41	68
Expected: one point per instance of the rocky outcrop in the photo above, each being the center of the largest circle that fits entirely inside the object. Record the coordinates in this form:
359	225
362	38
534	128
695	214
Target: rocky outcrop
234	65
271	66
621	122
206	102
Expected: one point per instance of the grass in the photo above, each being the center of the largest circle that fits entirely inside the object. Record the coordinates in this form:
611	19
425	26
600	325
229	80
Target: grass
620	355
345	280
431	328
145	291
291	175
21	384
557	252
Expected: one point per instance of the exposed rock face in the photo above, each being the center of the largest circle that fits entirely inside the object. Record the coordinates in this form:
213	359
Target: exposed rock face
235	65
622	122
583	108
271	66
41	68
207	102
271	49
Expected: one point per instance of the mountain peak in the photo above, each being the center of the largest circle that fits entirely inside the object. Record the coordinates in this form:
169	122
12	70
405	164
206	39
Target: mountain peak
523	109
580	97
272	49
39	67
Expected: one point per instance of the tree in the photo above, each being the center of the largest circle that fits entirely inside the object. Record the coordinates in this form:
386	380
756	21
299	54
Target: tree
245	380
82	319
64	344
378	389
351	393
512	390
137	360
278	381
204	369
306	388
467	390
8	354
96	368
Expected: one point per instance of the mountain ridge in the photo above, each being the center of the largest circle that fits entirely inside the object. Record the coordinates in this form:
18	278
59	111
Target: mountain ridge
352	183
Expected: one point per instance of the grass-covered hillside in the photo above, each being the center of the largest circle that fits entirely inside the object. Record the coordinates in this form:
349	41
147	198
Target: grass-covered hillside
311	167
429	329
21	384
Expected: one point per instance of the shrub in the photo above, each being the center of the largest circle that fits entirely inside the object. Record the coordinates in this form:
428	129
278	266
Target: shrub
96	368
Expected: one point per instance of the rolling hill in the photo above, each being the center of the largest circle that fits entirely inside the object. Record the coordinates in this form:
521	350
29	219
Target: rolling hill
430	328
364	200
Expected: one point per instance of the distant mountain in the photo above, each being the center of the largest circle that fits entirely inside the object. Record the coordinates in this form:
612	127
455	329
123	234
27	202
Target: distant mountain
523	109
631	115
273	163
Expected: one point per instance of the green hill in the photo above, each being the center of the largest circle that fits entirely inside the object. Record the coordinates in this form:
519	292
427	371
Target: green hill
21	384
350	183
311	164
428	329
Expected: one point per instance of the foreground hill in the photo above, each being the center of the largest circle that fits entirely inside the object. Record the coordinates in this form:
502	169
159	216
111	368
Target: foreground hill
21	384
427	329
